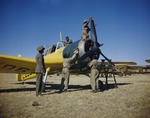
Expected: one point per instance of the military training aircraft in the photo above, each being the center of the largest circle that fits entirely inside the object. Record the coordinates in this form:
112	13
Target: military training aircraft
120	68
147	60
25	67
139	69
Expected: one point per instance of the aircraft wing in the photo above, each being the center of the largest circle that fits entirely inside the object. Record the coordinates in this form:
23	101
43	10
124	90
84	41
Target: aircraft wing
120	63
147	60
24	68
129	63
14	64
135	66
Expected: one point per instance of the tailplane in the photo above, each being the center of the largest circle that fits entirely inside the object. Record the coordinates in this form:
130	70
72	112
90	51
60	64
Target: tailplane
24	77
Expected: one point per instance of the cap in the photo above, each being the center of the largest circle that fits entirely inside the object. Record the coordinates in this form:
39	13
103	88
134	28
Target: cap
40	48
35	103
85	21
67	37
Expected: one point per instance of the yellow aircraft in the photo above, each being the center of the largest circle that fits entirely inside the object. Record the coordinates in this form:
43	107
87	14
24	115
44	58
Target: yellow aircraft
147	60
139	69
120	68
135	68
25	67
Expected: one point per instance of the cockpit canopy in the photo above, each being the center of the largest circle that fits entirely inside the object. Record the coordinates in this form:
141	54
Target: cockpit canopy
54	47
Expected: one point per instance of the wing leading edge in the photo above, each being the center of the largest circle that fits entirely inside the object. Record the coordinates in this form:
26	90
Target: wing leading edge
13	64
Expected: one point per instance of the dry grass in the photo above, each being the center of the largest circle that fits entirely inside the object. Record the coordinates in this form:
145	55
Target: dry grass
130	100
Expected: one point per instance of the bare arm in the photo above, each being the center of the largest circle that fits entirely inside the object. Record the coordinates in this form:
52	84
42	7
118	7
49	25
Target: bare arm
70	41
76	51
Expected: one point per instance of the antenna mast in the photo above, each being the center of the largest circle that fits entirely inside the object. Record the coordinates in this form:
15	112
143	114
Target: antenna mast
60	36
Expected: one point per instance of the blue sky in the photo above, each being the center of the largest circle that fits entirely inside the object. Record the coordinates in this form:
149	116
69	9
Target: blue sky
122	25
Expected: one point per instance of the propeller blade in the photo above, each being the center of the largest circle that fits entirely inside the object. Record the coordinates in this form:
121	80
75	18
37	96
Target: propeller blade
88	54
107	59
93	34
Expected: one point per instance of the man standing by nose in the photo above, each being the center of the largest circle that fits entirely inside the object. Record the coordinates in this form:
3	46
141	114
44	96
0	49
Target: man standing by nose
65	71
39	70
94	74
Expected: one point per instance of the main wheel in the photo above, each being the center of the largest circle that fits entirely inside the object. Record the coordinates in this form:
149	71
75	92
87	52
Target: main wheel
100	84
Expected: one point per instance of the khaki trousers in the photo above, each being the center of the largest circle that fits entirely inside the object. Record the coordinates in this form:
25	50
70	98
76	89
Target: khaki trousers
84	35
65	79
94	79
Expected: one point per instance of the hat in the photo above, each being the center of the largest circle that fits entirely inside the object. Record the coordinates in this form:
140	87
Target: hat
35	103
85	21
40	48
67	37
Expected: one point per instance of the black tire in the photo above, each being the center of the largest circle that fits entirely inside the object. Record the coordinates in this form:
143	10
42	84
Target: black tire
100	84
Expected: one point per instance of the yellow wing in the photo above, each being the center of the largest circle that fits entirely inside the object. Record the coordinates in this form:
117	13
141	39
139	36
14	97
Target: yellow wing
121	63
25	67
147	60
14	64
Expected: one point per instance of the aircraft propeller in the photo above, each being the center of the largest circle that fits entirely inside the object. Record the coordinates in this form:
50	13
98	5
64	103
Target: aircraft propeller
95	46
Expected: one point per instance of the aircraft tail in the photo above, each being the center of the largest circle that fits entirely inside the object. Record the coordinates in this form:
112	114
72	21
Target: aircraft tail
24	77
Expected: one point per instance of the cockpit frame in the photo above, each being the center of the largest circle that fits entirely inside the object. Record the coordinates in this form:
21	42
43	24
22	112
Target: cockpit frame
54	47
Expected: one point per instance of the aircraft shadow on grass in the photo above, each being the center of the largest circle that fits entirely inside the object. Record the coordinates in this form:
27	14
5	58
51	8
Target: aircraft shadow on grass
56	87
